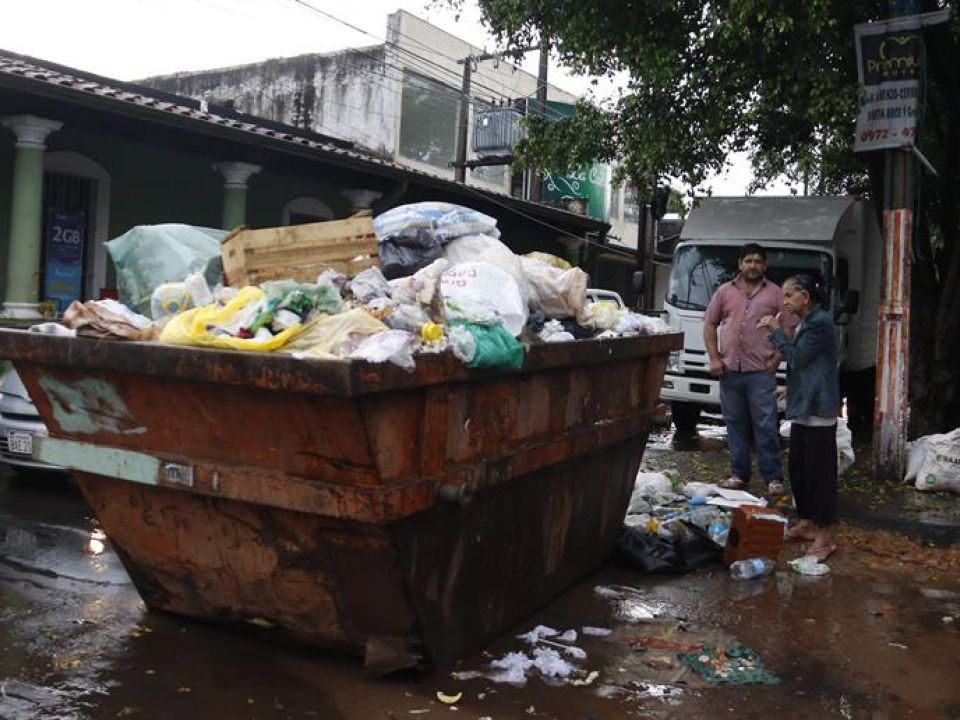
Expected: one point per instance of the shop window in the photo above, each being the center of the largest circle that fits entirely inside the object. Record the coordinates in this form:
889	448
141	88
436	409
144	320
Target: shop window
428	121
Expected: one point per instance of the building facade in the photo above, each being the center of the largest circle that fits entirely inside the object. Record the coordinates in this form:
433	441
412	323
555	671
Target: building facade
84	158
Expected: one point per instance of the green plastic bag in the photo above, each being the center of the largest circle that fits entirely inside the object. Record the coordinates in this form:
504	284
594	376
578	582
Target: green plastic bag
492	346
303	298
148	256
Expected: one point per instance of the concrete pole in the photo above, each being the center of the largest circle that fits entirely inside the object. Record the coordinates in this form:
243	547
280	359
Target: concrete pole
463	122
22	292
892	409
235	176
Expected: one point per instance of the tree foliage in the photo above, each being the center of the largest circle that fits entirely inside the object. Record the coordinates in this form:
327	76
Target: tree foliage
776	79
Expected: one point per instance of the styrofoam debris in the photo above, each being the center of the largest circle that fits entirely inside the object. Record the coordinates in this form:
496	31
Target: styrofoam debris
595	631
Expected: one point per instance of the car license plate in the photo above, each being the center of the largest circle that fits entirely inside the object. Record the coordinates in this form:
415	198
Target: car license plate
20	443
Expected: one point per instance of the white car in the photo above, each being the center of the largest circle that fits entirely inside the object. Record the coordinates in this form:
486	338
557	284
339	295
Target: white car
598	295
19	424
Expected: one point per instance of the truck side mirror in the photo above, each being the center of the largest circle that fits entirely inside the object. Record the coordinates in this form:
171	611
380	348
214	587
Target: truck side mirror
638	282
850	306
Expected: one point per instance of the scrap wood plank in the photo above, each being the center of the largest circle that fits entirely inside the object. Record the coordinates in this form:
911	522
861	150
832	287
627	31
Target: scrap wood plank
299	252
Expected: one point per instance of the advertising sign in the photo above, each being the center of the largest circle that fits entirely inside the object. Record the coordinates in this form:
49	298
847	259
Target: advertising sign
888	68
583	191
63	248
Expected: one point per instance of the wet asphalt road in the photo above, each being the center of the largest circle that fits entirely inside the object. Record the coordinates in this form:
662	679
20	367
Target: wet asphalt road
871	640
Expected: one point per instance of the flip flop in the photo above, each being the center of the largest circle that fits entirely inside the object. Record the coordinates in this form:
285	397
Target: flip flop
732	483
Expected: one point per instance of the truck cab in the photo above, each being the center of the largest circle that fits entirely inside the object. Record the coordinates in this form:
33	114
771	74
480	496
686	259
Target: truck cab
836	240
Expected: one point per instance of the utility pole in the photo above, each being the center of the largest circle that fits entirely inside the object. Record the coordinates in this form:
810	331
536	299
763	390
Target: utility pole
460	169
536	182
892	409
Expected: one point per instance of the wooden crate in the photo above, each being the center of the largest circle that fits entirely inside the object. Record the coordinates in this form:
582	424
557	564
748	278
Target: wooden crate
300	252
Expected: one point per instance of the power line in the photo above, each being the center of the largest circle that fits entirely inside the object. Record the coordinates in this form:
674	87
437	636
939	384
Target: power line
410	53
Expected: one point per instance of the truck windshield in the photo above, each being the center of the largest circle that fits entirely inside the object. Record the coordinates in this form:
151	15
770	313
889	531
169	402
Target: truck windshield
698	270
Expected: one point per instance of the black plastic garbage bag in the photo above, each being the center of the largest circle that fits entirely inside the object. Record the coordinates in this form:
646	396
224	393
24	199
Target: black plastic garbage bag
403	256
646	552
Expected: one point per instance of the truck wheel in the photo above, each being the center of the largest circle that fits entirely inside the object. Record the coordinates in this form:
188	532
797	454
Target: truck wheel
685	416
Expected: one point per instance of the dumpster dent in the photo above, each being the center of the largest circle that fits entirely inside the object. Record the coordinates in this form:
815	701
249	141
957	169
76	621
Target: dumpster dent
88	406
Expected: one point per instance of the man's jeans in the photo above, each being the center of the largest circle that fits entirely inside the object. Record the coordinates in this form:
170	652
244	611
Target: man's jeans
749	404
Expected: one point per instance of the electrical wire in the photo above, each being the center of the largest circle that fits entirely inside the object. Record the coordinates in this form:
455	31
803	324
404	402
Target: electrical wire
460	95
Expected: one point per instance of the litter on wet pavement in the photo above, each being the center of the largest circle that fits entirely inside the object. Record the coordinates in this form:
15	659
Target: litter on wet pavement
733	664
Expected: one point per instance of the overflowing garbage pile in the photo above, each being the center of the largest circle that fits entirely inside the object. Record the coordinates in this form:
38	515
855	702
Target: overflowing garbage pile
443	282
674	527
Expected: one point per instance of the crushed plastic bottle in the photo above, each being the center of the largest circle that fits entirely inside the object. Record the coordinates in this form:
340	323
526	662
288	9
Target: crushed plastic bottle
751	568
718	532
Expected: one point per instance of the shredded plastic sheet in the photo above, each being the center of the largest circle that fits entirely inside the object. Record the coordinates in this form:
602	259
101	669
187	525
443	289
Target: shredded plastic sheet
514	666
733	664
550	664
537	634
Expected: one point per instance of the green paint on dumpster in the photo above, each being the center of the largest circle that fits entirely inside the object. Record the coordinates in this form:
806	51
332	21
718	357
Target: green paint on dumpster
88	406
99	460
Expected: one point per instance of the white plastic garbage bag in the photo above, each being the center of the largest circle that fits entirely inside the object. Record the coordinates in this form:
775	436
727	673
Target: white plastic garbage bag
845	456
937	459
554	292
481	292
476	248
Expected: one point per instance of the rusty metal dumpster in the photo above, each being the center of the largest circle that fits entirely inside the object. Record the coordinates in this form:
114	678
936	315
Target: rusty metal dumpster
352	505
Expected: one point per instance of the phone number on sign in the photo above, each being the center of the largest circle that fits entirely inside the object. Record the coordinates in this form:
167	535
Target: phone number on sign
884	133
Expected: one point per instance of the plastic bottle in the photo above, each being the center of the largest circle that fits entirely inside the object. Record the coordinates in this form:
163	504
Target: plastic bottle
751	568
718	532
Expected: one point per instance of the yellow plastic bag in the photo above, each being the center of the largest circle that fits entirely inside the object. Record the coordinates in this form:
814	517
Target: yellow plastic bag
191	327
549	259
320	338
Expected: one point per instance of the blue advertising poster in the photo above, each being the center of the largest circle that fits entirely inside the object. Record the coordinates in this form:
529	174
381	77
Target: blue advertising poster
63	274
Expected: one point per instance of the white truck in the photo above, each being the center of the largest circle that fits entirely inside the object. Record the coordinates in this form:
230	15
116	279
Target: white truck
835	239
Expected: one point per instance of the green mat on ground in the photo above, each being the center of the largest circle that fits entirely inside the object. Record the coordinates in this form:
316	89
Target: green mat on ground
734	664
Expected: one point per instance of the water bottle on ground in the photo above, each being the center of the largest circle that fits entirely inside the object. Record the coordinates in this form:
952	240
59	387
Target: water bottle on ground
752	568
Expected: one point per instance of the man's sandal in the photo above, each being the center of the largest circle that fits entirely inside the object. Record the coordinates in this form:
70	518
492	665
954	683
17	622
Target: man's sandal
732	483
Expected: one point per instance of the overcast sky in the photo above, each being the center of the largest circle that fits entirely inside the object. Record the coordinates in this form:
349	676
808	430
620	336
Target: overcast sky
130	39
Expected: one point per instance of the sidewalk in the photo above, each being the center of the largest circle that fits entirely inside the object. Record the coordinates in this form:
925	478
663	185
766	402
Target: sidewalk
932	517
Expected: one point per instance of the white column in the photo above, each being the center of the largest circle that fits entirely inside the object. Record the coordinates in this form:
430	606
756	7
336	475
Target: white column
21	295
